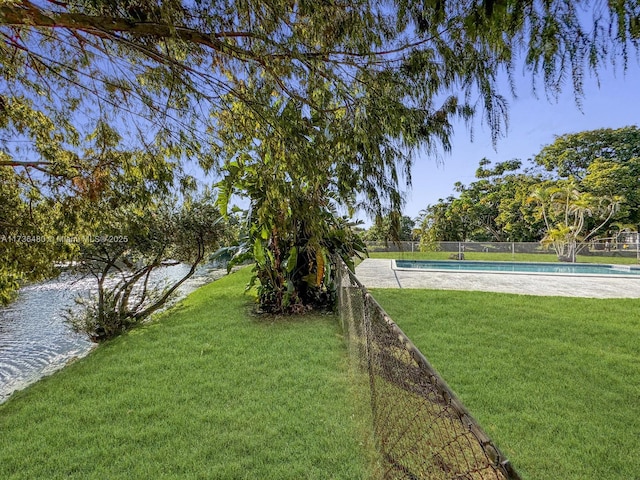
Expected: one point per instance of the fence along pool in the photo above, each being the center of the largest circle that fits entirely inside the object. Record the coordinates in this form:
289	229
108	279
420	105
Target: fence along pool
421	428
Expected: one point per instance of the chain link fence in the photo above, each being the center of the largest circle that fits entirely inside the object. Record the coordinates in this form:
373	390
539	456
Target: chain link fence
604	247
421	428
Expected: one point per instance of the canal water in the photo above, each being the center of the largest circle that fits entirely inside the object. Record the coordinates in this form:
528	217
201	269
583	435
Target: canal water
36	341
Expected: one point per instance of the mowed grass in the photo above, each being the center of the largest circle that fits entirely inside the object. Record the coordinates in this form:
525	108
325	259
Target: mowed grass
208	391
502	257
554	381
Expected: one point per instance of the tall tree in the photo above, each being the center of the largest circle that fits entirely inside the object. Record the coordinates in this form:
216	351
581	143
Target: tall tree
606	162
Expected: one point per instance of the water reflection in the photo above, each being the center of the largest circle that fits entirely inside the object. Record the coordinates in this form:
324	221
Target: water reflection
35	340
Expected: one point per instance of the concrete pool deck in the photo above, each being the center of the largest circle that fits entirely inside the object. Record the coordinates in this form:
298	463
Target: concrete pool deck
379	273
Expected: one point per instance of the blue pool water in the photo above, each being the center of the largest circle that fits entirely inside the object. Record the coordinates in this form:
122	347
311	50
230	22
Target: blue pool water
520	267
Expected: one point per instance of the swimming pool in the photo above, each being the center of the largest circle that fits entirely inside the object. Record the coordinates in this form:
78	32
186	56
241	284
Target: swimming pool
540	268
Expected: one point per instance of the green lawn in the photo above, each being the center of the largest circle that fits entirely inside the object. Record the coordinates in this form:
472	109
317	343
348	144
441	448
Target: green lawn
554	381
207	391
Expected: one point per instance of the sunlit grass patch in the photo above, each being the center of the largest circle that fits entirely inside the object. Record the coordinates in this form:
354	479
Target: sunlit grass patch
554	381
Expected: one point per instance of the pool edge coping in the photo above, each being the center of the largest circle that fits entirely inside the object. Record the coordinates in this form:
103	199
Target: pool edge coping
395	268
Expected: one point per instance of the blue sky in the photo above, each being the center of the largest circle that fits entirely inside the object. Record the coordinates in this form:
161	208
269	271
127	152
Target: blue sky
533	123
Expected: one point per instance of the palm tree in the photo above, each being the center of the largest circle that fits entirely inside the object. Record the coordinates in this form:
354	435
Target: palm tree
565	210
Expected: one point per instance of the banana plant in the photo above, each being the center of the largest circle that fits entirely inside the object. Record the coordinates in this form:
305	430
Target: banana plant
294	269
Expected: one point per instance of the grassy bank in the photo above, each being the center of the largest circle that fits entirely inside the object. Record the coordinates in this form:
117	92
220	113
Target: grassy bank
503	257
555	381
207	391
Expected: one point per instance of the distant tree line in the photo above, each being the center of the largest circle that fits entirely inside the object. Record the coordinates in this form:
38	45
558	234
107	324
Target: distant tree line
389	229
581	186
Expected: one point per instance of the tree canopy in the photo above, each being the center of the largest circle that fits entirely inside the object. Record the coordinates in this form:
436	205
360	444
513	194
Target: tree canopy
492	208
403	69
352	90
392	228
573	155
589	183
606	162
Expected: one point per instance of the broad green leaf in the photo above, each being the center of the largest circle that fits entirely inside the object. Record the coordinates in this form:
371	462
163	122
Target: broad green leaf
259	253
292	260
